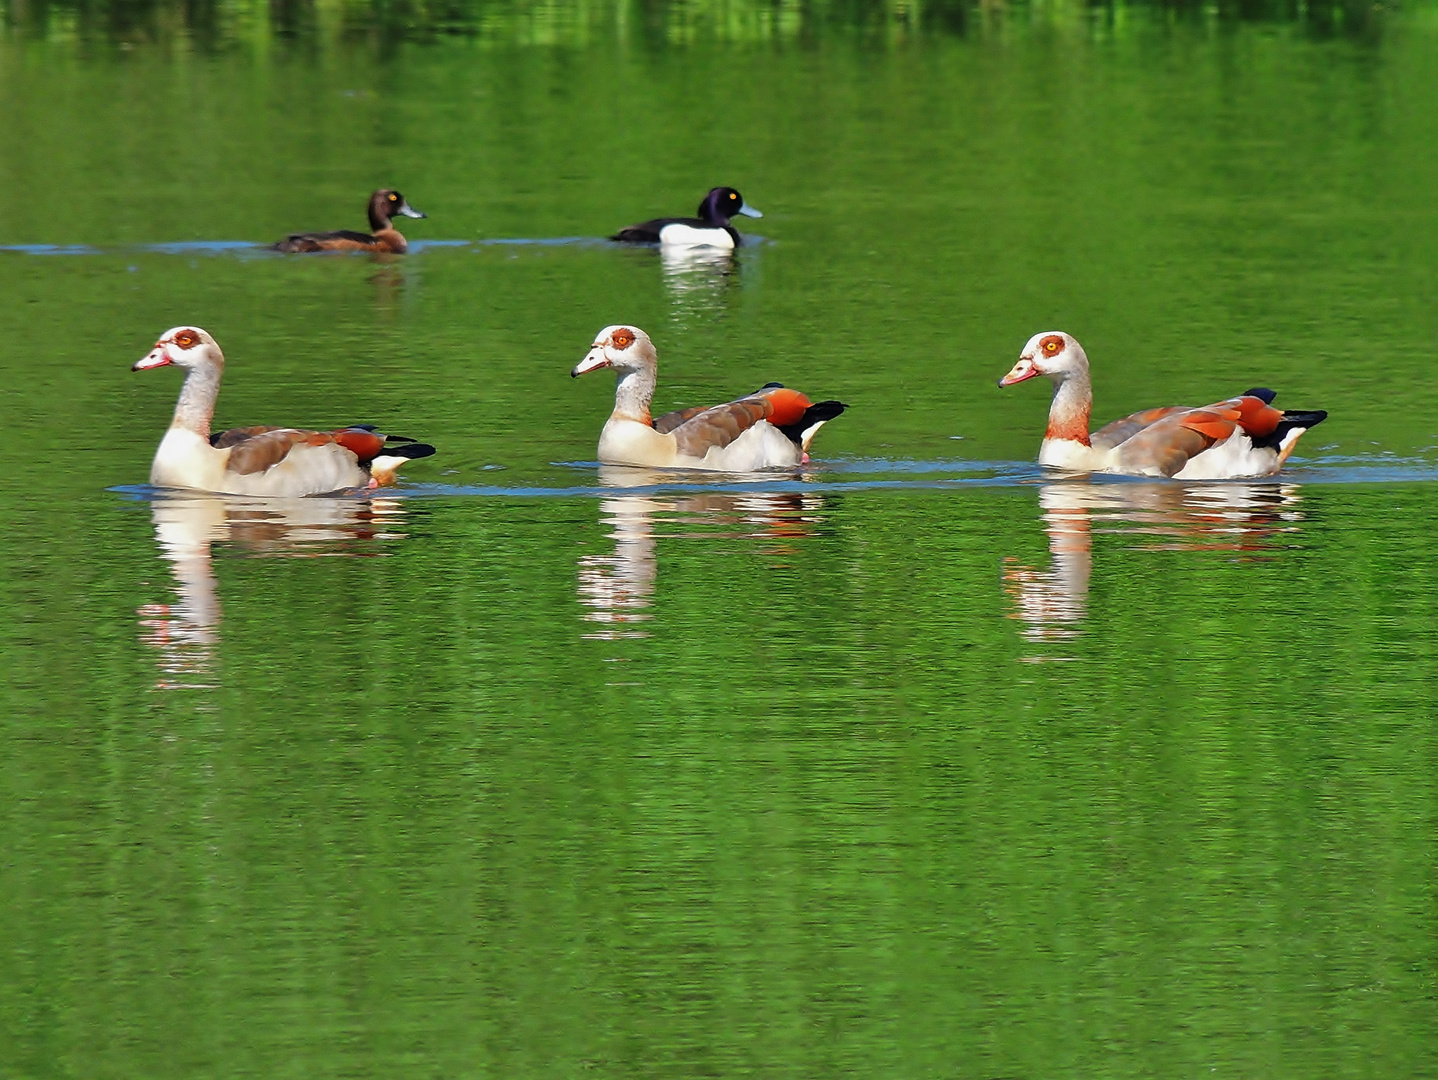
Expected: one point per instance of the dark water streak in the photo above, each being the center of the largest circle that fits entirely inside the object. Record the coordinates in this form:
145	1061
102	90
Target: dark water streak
215	25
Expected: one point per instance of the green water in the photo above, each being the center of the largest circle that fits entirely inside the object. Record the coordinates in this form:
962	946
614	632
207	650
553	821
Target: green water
915	765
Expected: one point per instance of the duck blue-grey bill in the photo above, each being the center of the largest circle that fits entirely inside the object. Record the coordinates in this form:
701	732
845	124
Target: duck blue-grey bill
409	211
749	211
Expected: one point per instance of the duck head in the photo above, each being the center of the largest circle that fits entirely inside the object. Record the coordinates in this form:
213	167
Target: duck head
1052	353
623	348
386	204
182	346
723	203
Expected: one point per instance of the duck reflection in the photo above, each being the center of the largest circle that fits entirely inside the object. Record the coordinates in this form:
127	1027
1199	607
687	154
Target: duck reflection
185	633
388	281
697	278
1236	518
617	590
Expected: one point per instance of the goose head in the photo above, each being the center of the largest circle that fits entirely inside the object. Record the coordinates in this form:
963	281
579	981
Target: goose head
624	348
1052	353
183	346
723	203
386	204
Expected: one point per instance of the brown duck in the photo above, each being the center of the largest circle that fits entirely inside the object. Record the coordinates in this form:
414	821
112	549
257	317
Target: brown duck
383	206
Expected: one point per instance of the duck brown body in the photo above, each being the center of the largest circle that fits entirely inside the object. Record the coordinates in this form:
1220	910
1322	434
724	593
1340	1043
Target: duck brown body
384	205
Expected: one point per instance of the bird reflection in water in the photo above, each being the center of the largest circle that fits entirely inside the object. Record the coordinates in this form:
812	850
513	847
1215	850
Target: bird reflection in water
697	279
186	633
617	590
1242	519
388	282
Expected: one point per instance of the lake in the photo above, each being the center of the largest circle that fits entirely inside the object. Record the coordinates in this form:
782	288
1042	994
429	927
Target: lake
914	763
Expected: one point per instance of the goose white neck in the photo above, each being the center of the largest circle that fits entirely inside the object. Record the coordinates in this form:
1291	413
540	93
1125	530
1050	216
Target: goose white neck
196	406
1069	411
634	393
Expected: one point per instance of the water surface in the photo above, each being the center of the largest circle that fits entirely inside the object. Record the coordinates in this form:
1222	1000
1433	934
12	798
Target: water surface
914	763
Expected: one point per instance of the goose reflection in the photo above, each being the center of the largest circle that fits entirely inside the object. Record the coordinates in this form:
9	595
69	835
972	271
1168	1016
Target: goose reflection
617	590
185	633
1239	518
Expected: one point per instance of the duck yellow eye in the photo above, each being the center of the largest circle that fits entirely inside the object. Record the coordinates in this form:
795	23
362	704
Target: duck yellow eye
621	339
1052	345
393	197
186	340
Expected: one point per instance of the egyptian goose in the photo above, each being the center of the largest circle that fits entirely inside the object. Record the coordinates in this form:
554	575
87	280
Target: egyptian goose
270	461
769	428
710	229
383	205
1241	437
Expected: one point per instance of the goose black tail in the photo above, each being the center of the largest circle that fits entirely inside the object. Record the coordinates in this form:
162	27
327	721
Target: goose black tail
1303	418
816	413
410	450
390	440
1293	420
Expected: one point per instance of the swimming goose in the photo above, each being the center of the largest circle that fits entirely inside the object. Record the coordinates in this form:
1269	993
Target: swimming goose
770	427
383	205
1241	437
710	229
272	461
